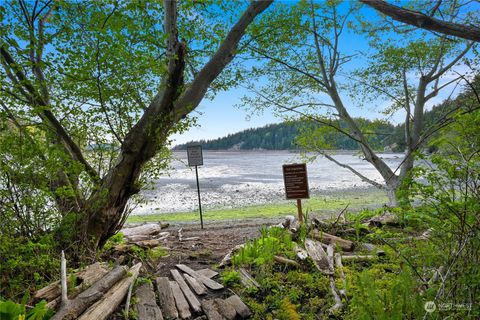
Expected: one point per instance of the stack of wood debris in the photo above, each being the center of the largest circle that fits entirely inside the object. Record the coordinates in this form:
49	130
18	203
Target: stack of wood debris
191	294
184	294
97	293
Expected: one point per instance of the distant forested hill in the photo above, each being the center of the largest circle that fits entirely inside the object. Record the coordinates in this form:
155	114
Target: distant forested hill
279	136
282	136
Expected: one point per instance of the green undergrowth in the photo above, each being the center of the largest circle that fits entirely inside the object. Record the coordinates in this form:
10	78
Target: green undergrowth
393	286
329	204
26	265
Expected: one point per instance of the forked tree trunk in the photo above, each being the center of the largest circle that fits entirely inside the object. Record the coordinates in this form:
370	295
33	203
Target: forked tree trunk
104	212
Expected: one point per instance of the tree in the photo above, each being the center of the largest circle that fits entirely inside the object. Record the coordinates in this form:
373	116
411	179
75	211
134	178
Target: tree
98	87
308	72
419	19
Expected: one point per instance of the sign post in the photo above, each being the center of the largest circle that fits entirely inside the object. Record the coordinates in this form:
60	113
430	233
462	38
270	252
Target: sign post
195	159
296	184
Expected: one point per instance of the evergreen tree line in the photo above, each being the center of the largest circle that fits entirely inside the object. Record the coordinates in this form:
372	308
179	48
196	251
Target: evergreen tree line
283	136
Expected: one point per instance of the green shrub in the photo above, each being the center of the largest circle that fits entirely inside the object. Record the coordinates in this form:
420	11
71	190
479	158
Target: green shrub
262	250
231	277
384	295
26	265
10	310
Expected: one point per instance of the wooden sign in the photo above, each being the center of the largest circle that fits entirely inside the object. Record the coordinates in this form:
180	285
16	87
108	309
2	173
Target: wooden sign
296	181
195	156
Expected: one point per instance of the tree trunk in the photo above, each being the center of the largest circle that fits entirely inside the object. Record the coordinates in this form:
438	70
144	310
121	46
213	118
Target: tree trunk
105	210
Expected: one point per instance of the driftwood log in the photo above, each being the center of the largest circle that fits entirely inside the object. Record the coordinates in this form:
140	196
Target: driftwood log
318	255
227	260
148	229
84	279
327	238
336	296
358	258
107	305
85	299
286	261
246	279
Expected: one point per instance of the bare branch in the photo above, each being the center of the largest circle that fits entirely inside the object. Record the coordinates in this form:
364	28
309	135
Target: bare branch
190	99
346	166
421	20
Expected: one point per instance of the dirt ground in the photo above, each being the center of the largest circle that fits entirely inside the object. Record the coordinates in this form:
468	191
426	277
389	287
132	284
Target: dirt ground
216	240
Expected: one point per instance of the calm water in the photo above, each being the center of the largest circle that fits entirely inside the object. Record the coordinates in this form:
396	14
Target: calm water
231	179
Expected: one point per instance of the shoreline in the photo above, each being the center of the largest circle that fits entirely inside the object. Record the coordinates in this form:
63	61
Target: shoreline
327	204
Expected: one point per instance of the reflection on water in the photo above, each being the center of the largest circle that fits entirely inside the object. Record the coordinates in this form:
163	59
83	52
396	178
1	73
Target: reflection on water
236	178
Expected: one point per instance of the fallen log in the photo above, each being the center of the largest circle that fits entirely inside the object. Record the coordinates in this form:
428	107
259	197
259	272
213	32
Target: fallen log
358	258
146	307
336	296
85	299
151	243
103	308
166	298
373	248
84	278
246	279
345	245
148	229
386	218
227	260
300	252
318	255
286	261
339	266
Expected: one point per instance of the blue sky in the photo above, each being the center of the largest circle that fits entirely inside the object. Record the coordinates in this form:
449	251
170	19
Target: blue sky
220	116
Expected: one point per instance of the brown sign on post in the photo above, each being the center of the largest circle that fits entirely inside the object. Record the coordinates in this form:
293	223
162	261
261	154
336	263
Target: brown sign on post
296	181
296	184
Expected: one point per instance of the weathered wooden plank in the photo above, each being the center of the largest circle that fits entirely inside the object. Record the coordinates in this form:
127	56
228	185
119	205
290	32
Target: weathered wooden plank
103	308
211	311
146	307
241	308
189	295
180	301
209	273
197	286
247	279
209	283
318	255
166	299
225	309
